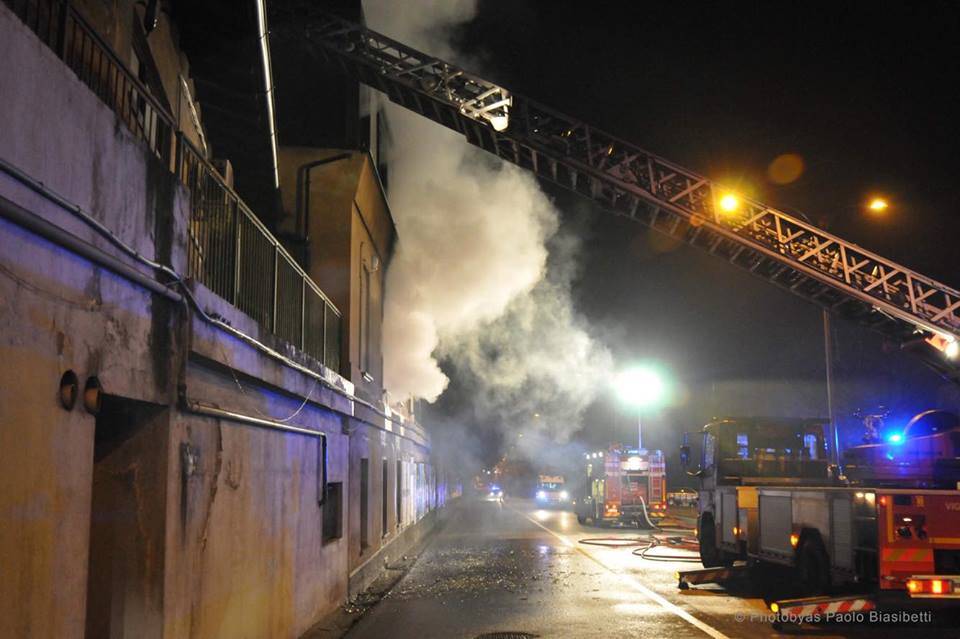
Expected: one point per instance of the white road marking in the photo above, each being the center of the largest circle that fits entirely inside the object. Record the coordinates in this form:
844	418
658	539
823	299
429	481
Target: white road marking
636	585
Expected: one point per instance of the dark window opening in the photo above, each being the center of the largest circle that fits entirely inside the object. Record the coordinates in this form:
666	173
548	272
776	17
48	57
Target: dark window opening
399	493
364	503
364	133
385	476
333	512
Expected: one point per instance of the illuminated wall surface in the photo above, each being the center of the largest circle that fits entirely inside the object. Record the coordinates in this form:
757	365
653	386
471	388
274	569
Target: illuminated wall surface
168	500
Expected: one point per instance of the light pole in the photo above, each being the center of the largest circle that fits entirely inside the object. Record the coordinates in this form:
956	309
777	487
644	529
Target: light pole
640	386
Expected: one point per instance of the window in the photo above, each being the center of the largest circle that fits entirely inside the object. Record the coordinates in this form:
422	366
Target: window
363	137
384	498
333	512
810	445
364	328
364	503
709	450
398	487
743	446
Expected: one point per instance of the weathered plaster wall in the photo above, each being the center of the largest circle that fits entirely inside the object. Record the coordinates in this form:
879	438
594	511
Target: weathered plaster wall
238	529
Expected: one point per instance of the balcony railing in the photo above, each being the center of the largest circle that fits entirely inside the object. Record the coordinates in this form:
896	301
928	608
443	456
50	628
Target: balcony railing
265	282
230	250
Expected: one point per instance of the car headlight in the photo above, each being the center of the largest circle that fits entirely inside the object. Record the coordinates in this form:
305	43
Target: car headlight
564	495
541	494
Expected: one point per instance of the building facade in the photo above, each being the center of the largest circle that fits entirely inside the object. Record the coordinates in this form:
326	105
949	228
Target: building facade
192	418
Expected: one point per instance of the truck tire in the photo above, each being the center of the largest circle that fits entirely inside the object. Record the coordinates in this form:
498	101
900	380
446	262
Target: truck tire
813	568
710	555
581	519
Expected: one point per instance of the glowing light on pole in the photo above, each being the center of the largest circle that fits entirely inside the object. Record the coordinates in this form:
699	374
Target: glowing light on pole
640	387
878	205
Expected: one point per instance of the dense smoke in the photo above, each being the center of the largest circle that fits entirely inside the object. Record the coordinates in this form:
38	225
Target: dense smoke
481	278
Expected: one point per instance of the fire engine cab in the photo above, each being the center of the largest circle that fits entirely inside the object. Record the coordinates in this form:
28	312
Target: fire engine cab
623	485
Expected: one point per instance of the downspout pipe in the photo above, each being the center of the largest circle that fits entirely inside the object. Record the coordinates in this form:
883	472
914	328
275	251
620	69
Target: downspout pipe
264	42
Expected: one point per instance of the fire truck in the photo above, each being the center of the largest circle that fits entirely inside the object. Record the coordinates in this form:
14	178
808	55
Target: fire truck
626	486
889	525
551	491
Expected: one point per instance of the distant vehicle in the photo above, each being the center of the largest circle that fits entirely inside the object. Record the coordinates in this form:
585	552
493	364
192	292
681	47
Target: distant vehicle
682	497
551	491
623	485
889	524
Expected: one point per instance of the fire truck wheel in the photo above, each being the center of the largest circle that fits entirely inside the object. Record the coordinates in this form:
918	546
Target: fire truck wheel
813	568
581	519
710	555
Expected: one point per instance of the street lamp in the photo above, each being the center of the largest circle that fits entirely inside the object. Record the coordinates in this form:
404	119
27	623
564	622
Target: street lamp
878	205
642	387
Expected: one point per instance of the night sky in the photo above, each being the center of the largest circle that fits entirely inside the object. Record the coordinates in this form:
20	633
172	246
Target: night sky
863	93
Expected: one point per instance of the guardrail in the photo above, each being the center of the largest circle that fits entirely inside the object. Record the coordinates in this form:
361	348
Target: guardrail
230	250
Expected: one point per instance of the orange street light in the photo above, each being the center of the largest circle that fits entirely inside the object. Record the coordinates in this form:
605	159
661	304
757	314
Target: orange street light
878	204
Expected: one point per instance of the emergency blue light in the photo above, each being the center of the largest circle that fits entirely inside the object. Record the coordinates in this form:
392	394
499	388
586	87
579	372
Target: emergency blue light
895	438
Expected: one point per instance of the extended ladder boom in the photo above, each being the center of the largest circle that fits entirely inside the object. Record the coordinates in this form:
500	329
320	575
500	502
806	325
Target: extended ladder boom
791	253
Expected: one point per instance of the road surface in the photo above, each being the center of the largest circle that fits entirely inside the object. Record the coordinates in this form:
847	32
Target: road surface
509	567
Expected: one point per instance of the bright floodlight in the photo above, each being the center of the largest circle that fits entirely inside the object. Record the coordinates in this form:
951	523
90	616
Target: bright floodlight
878	205
499	122
729	203
952	349
639	386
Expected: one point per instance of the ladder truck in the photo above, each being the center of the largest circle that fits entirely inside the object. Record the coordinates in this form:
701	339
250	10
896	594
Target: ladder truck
852	517
890	526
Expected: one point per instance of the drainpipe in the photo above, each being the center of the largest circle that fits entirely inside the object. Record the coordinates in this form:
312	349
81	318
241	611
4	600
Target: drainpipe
268	86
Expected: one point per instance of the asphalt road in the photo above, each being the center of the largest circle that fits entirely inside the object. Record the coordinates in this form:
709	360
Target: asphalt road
511	567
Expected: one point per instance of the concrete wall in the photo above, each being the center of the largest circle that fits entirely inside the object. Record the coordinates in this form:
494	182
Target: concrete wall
195	526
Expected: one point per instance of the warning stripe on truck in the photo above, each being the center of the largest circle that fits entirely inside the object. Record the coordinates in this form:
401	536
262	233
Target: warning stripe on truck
906	555
810	608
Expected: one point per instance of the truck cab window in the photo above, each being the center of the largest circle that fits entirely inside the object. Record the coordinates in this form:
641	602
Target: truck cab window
709	450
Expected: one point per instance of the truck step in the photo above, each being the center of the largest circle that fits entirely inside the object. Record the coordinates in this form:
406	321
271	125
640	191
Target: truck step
687	578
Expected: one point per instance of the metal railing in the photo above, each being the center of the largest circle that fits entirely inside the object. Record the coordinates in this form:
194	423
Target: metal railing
230	250
232	253
96	65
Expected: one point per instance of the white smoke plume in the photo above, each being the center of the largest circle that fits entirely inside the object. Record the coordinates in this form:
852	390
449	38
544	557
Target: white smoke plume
470	281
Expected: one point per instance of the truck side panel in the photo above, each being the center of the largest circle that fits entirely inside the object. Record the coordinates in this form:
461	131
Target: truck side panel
841	533
776	525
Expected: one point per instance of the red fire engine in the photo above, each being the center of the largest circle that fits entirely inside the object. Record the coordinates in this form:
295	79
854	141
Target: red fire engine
623	486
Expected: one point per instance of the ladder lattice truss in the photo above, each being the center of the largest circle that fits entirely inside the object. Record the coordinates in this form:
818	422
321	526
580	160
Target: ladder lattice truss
626	180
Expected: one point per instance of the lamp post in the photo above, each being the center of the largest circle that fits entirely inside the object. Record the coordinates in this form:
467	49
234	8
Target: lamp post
641	387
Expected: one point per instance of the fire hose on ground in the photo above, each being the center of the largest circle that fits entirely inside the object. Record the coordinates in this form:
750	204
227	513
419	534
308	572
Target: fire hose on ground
642	546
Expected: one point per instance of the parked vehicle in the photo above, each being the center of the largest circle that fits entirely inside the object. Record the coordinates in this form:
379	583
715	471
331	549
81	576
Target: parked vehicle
769	494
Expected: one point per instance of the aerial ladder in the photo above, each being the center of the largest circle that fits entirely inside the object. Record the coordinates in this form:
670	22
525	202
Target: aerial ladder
841	277
844	279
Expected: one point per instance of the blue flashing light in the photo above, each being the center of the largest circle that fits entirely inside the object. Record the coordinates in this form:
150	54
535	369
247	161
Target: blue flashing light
541	494
895	438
